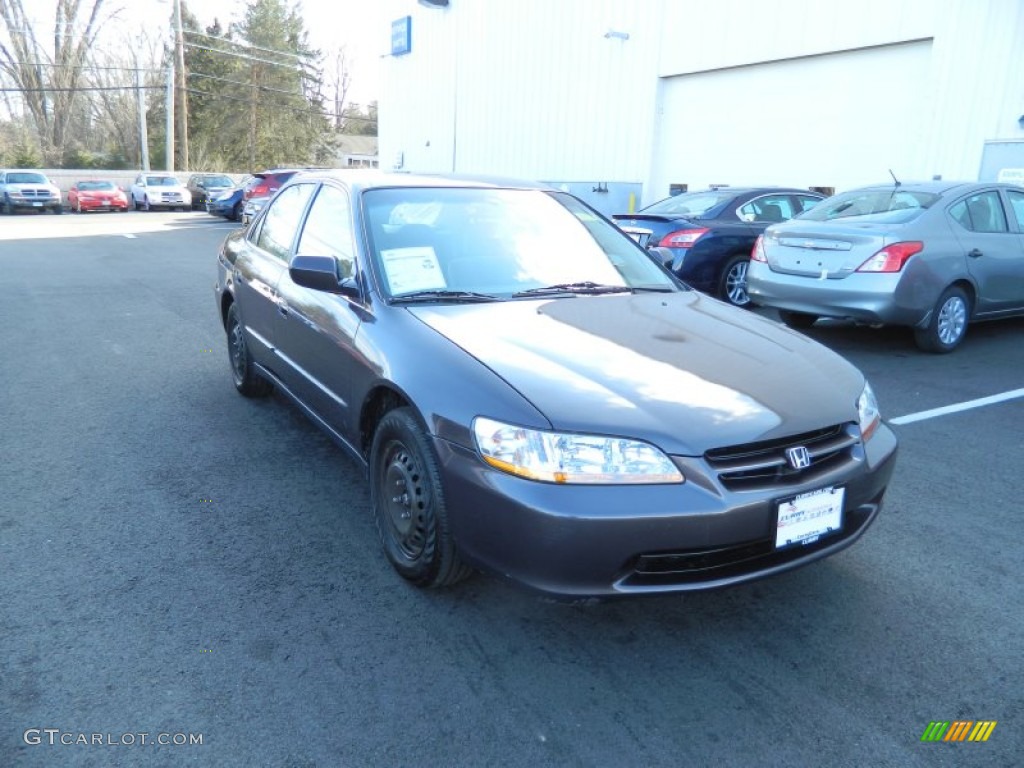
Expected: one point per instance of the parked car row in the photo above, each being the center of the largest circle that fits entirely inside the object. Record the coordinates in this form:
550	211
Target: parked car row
934	257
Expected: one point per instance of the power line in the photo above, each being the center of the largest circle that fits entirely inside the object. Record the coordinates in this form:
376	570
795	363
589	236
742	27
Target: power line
84	88
245	56
306	111
250	45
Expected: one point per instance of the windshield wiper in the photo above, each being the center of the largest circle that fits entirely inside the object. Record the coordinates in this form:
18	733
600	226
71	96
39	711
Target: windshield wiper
593	289
586	287
440	295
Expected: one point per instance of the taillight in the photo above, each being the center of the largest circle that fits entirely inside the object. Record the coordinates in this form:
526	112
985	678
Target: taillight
682	238
892	257
758	254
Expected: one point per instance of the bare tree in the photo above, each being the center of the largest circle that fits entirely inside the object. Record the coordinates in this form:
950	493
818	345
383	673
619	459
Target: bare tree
49	80
339	80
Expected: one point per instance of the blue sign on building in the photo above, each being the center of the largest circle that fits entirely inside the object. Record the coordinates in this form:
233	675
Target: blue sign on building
401	36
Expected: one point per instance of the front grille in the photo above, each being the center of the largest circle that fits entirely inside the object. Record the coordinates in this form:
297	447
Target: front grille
755	466
35	193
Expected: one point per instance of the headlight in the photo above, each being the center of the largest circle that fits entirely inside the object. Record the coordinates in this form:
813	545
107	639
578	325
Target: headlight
555	457
868	413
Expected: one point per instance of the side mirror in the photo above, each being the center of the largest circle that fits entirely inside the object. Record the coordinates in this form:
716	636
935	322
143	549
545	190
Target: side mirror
320	273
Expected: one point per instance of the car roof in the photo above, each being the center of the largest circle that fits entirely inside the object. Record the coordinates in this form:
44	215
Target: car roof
935	187
368	178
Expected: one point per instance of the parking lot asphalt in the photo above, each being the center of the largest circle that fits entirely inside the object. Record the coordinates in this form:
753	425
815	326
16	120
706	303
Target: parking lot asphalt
178	562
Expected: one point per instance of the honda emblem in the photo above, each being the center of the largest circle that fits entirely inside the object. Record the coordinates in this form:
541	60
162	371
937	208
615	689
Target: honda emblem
798	457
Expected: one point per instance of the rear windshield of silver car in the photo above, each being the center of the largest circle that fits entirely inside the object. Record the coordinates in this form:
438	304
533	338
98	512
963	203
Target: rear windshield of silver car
893	204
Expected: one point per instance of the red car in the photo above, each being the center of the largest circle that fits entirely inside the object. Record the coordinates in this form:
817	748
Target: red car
97	195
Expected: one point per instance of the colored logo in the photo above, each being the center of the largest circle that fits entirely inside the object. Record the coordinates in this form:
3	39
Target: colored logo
958	730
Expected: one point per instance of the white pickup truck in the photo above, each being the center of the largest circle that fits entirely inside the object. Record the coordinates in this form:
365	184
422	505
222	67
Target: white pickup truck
28	189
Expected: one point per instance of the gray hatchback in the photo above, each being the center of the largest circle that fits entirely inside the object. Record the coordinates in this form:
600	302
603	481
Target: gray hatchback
933	256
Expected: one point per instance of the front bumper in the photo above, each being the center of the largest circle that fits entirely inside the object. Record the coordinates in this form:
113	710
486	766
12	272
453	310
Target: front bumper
582	541
892	299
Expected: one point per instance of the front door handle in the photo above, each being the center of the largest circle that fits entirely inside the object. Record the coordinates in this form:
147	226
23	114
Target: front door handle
974	253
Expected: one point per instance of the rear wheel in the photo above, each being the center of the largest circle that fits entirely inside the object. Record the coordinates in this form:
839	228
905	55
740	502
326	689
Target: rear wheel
799	320
948	324
732	286
247	380
409	504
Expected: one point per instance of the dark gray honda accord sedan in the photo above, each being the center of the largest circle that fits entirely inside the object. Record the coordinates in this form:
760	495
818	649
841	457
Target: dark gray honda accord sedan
532	395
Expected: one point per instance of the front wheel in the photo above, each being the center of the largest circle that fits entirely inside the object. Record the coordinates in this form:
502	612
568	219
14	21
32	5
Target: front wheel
247	380
58	210
145	204
732	286
409	505
801	321
948	324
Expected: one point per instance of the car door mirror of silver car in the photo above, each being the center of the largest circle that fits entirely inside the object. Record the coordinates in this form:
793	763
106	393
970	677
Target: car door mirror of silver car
321	274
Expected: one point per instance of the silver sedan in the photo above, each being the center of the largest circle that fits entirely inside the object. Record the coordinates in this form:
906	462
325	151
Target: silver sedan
933	256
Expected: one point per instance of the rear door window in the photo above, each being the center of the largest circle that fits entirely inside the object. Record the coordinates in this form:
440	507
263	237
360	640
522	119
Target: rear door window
980	212
281	221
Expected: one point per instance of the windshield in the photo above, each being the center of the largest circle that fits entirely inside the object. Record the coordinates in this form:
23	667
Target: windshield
95	185
216	181
500	242
892	204
162	181
691	204
26	178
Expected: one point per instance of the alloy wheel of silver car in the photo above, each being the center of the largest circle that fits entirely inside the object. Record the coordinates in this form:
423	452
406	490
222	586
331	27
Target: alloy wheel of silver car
948	324
734	282
952	320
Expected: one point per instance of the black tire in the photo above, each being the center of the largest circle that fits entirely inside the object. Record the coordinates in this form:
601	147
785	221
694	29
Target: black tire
732	284
236	212
948	324
145	204
58	210
135	203
247	380
801	321
409	504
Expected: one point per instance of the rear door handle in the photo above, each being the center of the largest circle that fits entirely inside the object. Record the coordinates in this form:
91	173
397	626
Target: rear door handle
974	253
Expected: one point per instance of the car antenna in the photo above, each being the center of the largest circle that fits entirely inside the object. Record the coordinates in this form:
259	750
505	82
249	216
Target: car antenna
894	177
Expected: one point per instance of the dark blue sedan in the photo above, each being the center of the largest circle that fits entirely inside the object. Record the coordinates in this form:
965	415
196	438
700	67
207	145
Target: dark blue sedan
710	234
227	204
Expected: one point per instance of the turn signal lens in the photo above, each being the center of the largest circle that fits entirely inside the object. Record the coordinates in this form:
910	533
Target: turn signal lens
892	257
758	253
682	238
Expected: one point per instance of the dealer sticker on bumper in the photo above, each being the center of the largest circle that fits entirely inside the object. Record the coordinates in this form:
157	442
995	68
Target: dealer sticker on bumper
807	517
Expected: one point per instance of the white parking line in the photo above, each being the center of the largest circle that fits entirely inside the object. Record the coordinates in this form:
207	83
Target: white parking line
957	407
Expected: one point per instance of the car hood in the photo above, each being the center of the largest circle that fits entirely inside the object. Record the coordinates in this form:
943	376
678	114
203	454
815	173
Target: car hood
19	186
683	371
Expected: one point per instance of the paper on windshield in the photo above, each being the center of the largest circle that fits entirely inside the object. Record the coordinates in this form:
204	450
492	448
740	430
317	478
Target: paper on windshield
412	269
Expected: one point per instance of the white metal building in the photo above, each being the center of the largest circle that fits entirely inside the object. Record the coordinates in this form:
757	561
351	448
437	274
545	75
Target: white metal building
633	96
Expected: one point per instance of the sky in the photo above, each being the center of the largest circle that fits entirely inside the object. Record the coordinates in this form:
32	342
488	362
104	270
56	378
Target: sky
360	25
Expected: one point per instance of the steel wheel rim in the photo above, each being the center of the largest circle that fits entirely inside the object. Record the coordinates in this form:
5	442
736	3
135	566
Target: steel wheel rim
238	356
952	320
736	284
404	498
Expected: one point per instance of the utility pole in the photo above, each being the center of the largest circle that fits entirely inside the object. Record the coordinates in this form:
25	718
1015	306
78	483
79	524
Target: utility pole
170	117
182	100
143	133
